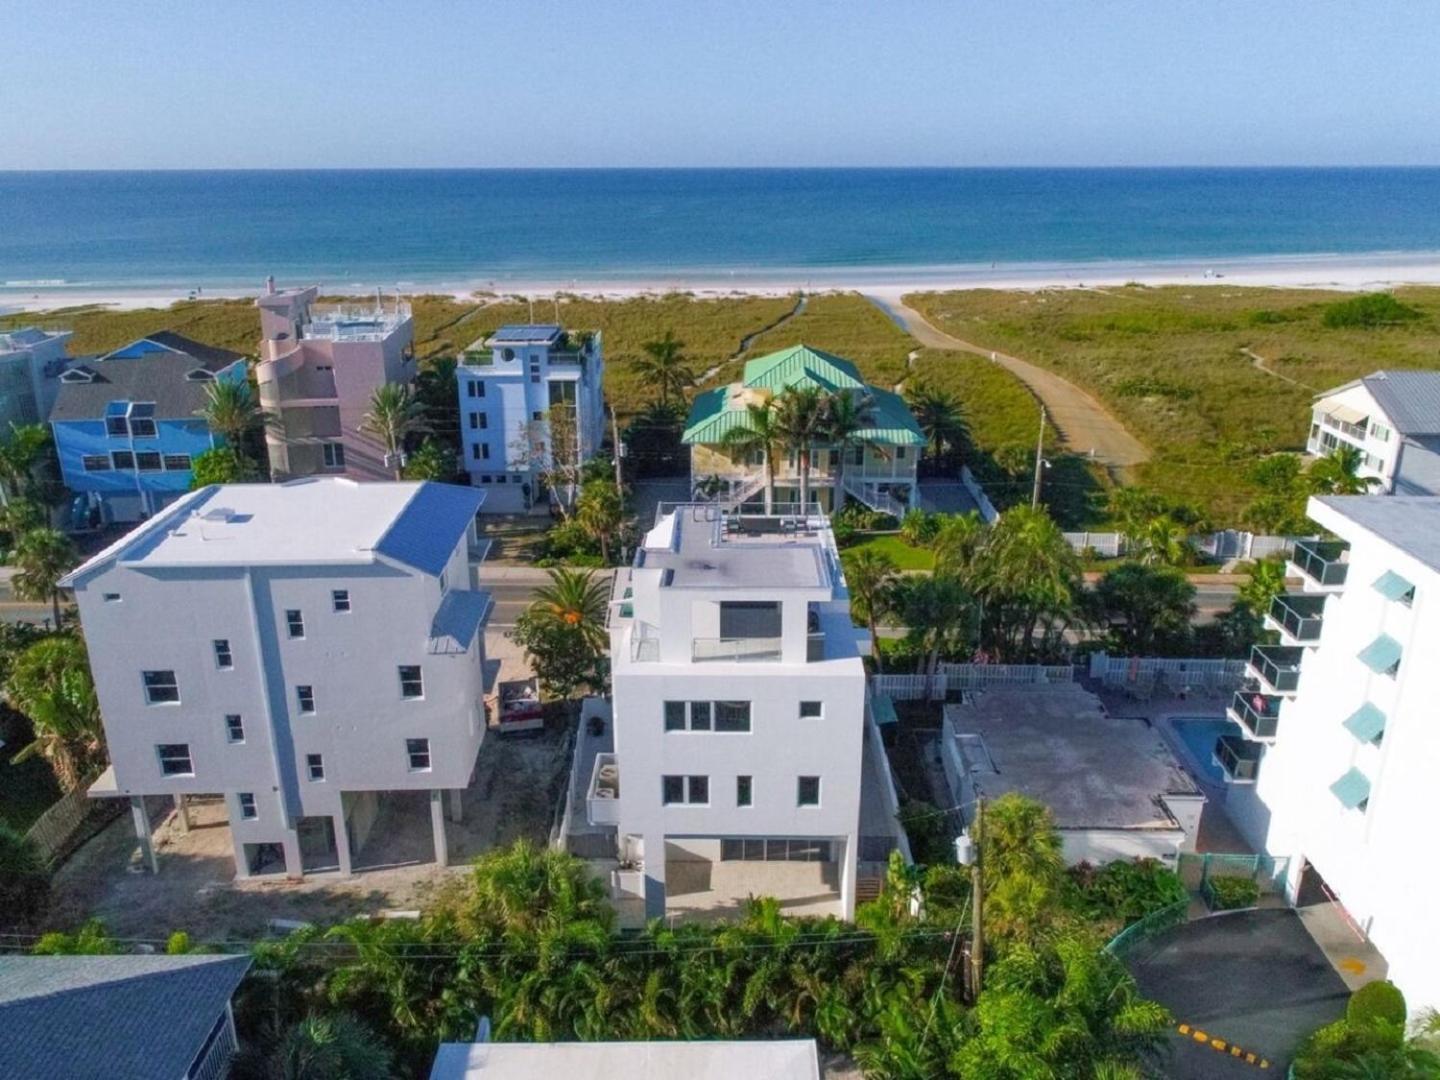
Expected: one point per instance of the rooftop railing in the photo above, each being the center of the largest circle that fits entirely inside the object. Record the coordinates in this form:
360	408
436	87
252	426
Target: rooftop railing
1324	562
741	650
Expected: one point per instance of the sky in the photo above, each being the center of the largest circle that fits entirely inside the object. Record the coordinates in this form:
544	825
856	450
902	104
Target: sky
512	83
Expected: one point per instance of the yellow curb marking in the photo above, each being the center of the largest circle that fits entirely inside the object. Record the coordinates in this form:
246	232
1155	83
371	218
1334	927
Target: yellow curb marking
1217	1043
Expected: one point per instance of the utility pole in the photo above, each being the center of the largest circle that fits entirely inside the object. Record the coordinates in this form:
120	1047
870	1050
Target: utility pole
1039	459
977	903
615	438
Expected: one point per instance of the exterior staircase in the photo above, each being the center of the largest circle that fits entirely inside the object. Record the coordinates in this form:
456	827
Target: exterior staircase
870	494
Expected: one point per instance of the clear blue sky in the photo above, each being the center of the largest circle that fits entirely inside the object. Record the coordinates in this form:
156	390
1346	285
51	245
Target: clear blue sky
177	84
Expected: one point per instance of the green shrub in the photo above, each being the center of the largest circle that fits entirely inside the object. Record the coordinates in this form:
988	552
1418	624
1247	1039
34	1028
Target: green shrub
24	881
1377	1001
1226	892
1367	312
844	532
1125	891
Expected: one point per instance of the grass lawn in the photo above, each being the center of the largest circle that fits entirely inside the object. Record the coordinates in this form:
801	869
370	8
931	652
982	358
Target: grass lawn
1170	363
904	556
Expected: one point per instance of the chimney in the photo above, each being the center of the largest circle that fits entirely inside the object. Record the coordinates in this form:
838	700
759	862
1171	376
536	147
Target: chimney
270	285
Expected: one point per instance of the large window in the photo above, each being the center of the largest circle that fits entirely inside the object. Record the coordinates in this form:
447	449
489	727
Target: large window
177	462
149	461
161	688
732	716
175	759
411	683
707	716
418	750
692	790
122	459
807	791
224	658
749	619
764	849
96	462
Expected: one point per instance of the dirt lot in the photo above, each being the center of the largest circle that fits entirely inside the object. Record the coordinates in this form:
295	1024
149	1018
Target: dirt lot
513	793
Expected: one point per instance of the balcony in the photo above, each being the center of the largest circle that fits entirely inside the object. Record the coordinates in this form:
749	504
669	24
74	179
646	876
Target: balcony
1239	759
1298	618
602	802
1353	431
1256	712
1276	667
742	650
1323	563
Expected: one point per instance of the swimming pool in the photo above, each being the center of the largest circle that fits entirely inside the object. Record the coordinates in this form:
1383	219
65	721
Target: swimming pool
1198	734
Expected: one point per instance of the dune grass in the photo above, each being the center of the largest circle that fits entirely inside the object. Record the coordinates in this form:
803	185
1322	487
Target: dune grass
1174	364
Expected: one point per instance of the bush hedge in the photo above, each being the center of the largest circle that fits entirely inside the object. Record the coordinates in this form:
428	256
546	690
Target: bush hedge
24	881
1227	892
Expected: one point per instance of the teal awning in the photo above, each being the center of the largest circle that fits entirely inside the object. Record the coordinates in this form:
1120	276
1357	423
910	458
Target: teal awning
1382	655
1393	587
1366	723
1352	789
882	707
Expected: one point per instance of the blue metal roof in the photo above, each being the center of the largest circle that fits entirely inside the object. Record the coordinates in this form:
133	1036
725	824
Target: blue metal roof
459	618
430	526
526	334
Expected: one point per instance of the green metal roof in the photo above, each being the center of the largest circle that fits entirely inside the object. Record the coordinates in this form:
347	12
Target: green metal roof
1381	655
1366	723
1393	587
1352	789
712	417
883	708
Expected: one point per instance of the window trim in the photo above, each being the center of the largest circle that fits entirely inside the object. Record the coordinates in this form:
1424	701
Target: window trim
250	811
312	763
340	601
418	682
332	455
413	750
305	692
744	792
96	463
162	758
818	714
224	655
687	789
703	717
150	686
800	801
234	732
295	617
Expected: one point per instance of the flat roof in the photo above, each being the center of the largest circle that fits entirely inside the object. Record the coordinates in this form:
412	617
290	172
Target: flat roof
1058	745
692	543
525	334
761	1059
315	520
1409	522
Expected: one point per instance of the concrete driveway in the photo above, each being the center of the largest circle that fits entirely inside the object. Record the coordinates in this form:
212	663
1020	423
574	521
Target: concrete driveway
1250	979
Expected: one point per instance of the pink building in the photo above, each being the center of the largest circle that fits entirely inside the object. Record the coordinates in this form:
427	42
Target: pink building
319	365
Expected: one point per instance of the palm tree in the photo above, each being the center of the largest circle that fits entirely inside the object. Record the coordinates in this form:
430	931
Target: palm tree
50	683
759	432
1023	863
958	543
870	576
847	414
394	416
330	1046
1338	473
600	512
938	613
1267	581
938	414
43	556
1030	579
665	367
1164	542
801	415
231	411
574	599
20	452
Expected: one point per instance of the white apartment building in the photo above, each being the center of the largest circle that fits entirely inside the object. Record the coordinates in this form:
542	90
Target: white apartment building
738	718
1393	419
513	386
299	649
31	361
1336	757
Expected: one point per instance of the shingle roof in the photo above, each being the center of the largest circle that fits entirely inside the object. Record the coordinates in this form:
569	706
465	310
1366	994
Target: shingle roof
1409	399
160	377
425	533
110	1017
716	412
209	357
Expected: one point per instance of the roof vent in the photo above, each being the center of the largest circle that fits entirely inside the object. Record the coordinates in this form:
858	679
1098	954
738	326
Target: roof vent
219	513
699	564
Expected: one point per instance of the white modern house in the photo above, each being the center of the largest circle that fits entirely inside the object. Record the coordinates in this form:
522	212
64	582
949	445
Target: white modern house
31	361
299	649
1393	419
1336	751
528	392
739	718
658	1059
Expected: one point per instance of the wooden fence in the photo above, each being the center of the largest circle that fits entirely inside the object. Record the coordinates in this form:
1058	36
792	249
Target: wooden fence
60	827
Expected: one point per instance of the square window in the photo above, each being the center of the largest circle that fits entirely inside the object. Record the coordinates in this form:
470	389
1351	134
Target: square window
419	753
732	716
142	427
340	599
224	658
117	427
234	728
698	790
699	716
744	791
334	455
807	791
177	462
161	688
175	759
305	697
812	708
148	461
295	623
674	716
96	462
411	683
672	790
315	766
247	806
122	459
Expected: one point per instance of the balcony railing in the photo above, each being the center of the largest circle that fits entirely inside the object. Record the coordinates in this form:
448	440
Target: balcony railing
1355	431
602	804
1322	561
1257	711
645	650
1239	758
736	650
1298	616
1278	666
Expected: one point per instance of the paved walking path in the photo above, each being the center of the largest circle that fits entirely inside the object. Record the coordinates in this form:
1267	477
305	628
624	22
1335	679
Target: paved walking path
1084	425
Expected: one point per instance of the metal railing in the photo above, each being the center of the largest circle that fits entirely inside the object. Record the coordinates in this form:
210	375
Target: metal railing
1261	719
1240	759
737	650
1278	666
1299	616
1123	944
645	650
1355	431
1322	561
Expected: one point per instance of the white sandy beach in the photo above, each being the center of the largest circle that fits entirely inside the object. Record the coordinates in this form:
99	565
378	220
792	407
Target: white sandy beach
1380	270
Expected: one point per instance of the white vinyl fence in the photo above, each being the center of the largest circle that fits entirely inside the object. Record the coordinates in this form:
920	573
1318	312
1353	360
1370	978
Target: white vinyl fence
953	677
1222	545
1151	674
976	492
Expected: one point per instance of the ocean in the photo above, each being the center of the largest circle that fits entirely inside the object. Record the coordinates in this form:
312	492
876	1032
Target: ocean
412	227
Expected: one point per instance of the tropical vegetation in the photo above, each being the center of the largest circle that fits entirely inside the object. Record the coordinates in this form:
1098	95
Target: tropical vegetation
50	683
1371	1041
563	632
394	416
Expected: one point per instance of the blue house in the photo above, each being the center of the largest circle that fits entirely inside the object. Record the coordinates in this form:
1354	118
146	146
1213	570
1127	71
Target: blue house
126	424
